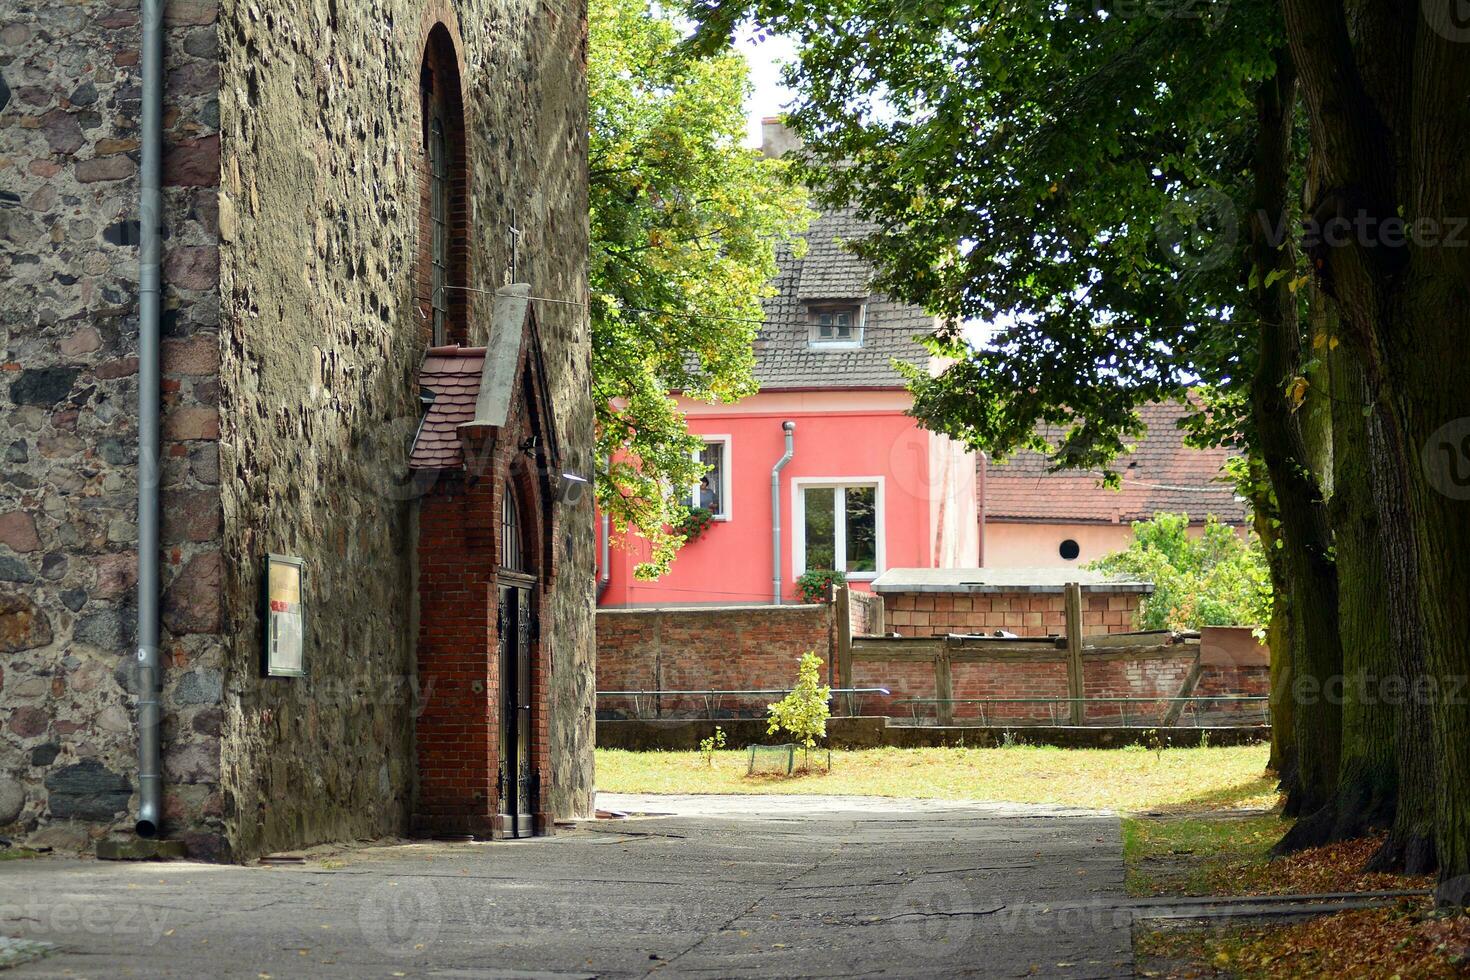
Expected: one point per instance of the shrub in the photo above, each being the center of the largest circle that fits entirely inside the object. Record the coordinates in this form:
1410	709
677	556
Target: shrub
709	745
804	712
815	585
1216	579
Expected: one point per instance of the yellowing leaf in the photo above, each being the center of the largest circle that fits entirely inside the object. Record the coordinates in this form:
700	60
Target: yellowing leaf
1296	391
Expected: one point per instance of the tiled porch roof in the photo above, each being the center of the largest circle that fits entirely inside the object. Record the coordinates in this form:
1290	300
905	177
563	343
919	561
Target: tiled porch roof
453	374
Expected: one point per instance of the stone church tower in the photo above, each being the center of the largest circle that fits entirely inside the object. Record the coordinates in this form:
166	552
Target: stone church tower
373	246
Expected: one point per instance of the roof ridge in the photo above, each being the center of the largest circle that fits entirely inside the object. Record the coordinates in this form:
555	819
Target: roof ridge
455	350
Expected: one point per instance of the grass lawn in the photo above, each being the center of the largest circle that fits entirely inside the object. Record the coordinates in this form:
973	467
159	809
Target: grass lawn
16	853
1195	855
1132	779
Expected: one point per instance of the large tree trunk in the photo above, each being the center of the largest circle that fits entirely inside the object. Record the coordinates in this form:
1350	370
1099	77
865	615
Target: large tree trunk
1368	781
1368	778
1280	637
1385	90
1440	515
1305	533
1410	845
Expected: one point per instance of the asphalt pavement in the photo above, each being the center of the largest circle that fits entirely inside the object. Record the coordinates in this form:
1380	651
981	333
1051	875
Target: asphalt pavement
687	886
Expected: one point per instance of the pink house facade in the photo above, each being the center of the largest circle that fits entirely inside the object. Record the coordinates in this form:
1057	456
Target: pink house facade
822	469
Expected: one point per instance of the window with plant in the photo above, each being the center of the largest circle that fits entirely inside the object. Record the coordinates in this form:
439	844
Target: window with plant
838	527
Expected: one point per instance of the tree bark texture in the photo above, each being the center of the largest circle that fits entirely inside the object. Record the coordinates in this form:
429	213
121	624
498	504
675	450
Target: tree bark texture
1305	532
1385	92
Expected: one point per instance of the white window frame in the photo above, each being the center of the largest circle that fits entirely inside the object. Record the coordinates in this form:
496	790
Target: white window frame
839	551
858	322
724	442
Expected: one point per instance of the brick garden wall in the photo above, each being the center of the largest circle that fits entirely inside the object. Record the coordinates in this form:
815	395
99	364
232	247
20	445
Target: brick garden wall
1022	613
737	648
729	648
1151	678
1219	681
866	613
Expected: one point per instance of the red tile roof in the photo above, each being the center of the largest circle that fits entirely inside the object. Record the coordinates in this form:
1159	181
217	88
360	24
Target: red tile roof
453	375
1161	474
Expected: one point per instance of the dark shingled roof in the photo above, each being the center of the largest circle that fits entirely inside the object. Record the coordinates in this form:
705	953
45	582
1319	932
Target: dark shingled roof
783	357
1161	474
453	375
829	270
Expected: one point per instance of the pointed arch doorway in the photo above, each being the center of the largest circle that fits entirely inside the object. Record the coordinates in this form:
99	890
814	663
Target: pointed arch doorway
519	779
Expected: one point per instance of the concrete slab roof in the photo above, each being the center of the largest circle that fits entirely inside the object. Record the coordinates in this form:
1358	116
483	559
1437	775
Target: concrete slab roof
983	580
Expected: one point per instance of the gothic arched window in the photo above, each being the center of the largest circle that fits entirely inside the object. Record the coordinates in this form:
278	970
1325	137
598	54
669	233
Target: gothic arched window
443	221
512	549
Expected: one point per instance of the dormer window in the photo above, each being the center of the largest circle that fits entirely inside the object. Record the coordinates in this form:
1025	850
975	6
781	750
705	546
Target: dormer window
835	325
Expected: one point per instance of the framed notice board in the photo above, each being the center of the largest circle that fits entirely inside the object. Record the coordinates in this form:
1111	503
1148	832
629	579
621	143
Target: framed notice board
284	610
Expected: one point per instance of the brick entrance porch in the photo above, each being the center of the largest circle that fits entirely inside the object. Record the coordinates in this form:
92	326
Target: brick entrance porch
488	467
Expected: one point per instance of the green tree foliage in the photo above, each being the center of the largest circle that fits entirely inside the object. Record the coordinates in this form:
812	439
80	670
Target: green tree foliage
685	223
1215	579
803	713
1087	180
1119	188
1077	179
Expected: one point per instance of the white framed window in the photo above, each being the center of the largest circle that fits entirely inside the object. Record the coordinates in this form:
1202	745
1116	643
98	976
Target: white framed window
712	492
835	325
837	523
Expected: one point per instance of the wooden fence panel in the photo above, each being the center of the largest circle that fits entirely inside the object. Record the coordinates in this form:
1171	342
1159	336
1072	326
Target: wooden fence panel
1075	686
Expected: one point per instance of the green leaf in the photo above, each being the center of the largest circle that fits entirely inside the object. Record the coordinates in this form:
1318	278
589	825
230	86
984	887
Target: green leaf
685	223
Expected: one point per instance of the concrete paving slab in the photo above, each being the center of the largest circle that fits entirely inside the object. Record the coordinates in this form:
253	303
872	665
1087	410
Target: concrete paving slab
747	886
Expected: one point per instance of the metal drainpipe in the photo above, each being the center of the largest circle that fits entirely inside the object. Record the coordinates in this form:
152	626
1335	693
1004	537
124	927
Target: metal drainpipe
984	498
150	220
604	572
789	428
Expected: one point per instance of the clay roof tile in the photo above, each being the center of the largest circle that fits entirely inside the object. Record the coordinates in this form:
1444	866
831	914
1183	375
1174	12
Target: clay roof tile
1161	474
453	375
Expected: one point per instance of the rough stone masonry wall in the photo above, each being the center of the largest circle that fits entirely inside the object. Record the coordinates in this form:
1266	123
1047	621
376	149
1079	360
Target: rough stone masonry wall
321	342
1022	613
69	107
736	648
